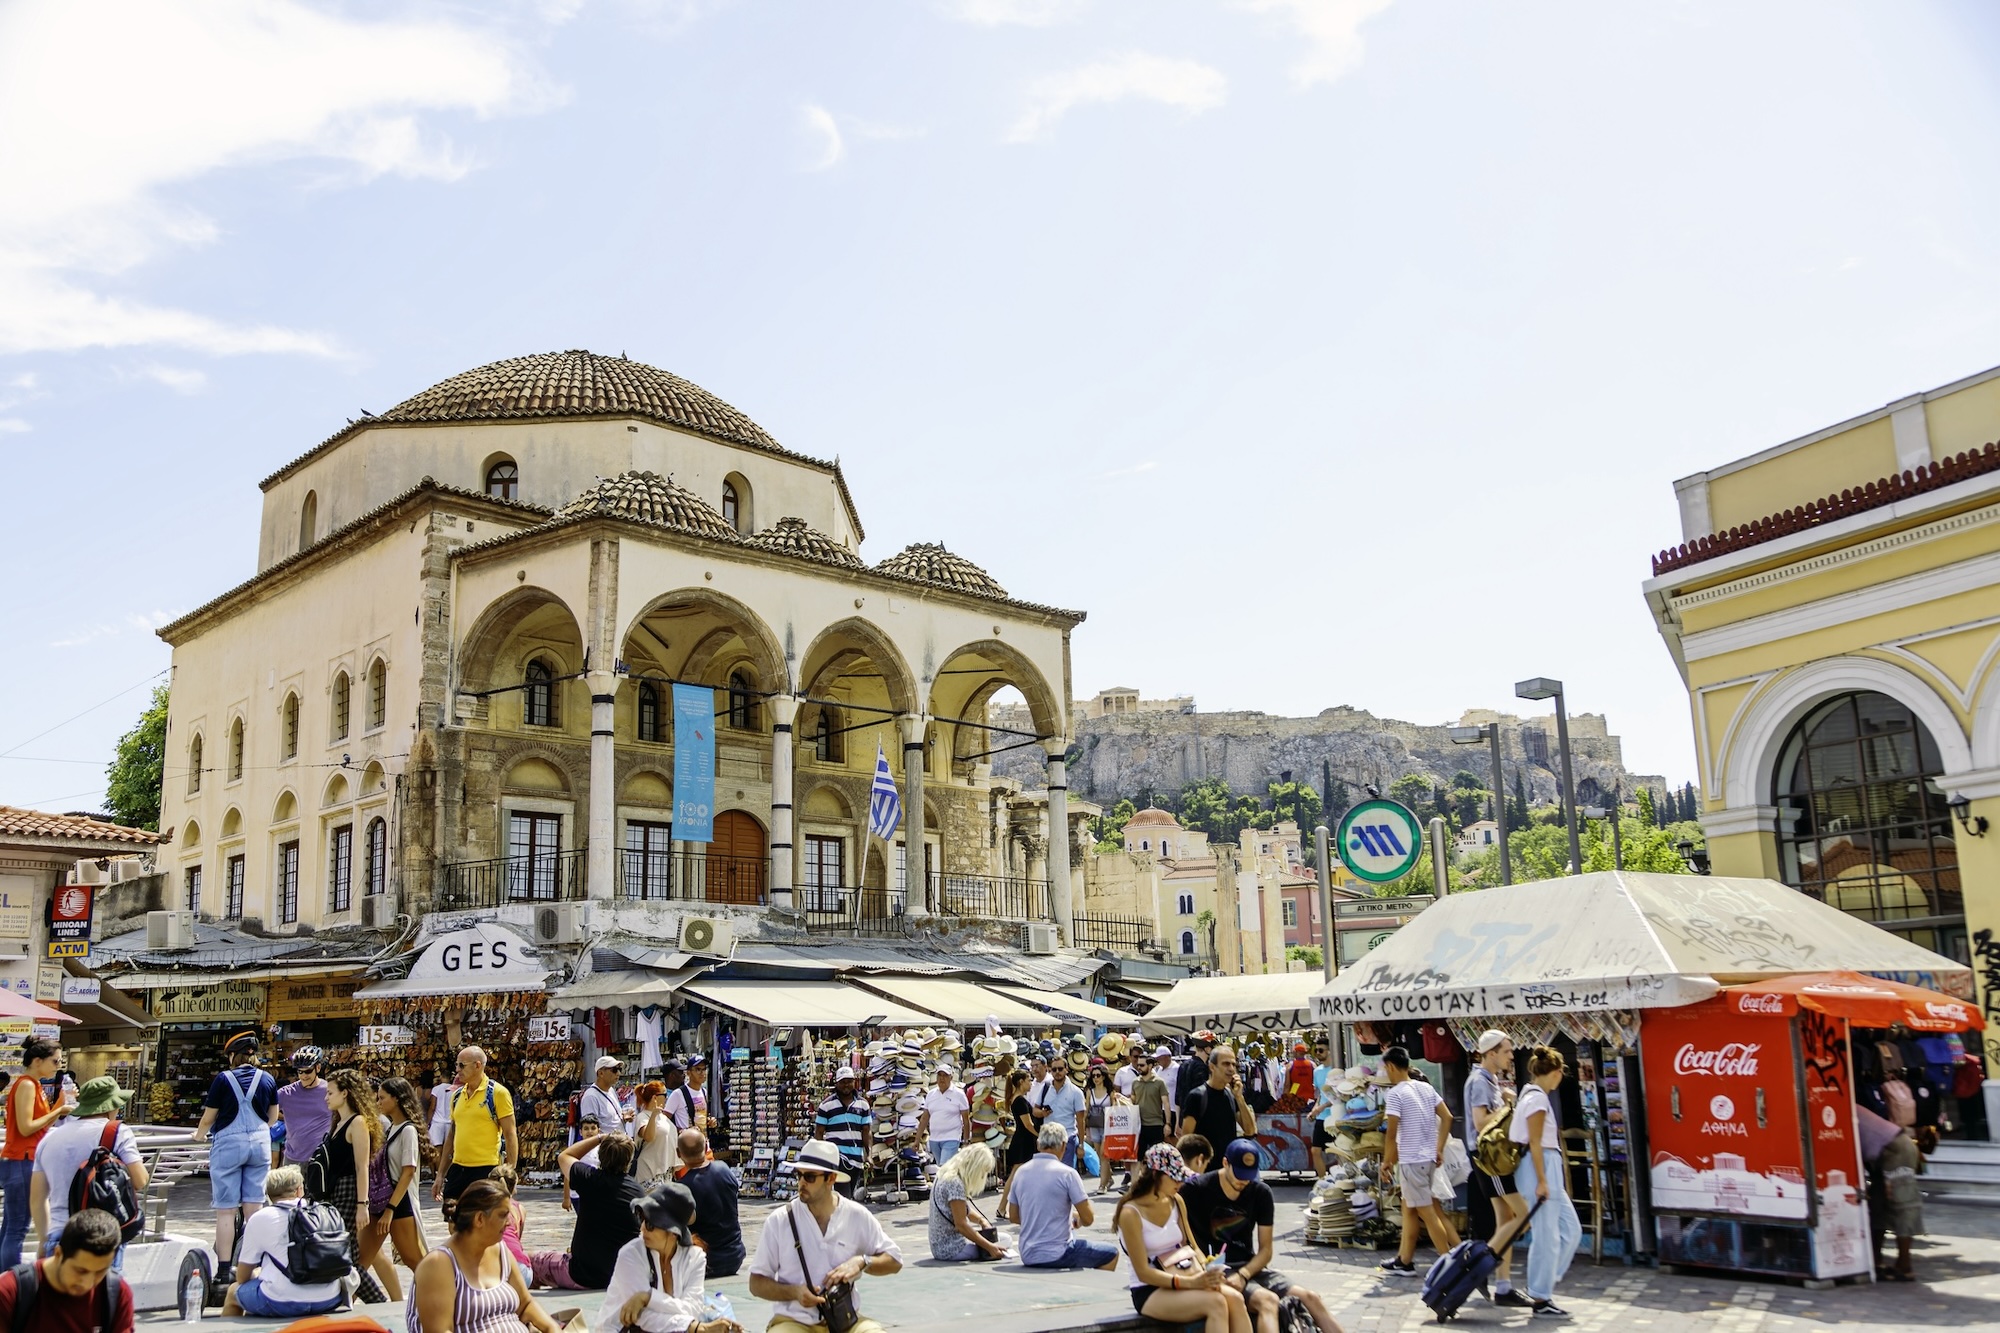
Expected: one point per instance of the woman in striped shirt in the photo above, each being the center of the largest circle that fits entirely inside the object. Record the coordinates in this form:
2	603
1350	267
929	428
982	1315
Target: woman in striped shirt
473	1285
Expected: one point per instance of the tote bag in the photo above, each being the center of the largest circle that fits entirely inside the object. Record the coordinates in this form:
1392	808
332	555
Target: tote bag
1121	1133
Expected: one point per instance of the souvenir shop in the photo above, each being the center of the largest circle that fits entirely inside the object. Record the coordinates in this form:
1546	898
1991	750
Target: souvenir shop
195	1018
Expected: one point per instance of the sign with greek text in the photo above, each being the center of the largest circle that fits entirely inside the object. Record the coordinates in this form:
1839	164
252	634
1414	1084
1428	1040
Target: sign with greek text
694	763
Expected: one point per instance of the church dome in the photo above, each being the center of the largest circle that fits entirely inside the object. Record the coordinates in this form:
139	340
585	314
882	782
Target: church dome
929	562
648	497
795	536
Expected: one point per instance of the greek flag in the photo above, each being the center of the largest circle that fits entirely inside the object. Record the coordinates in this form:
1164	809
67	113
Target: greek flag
885	804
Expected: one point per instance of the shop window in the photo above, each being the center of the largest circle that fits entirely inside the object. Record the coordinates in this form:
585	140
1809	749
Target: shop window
288	883
194	765
649	859
503	480
742	702
194	888
342	689
290	727
534	856
232	889
1186	904
340	870
824	872
1187	943
1862	820
378	857
236	750
649	712
378	693
538	698
826	737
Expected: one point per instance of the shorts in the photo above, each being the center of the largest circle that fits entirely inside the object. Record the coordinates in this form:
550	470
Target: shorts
1494	1186
781	1324
1321	1139
1271	1280
456	1178
1148	1136
1140	1295
1414	1179
237	1165
1080	1254
407	1207
250	1295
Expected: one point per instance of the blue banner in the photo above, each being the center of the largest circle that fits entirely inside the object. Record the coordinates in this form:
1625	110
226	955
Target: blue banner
694	763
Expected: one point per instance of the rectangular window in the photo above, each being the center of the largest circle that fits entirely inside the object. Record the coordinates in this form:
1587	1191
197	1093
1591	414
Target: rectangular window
340	870
232	890
288	883
825	872
194	888
1291	913
378	857
649	713
534	845
649	859
378	695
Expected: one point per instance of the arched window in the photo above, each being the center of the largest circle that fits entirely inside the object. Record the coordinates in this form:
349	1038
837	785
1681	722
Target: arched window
194	765
342	691
742	702
732	507
1862	821
1186	904
826	737
236	750
378	693
377	871
503	479
1187	943
538	700
289	727
649	712
308	520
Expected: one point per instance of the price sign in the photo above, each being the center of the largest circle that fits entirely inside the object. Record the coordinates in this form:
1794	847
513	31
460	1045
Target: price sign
375	1034
549	1027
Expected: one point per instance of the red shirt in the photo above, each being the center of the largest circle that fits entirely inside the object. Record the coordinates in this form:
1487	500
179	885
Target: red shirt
56	1312
1299	1079
21	1147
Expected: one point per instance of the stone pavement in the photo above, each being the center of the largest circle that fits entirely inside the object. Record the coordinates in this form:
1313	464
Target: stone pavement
1958	1285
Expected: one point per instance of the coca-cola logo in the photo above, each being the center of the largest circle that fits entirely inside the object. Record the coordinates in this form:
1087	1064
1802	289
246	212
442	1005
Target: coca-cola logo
1954	1013
1734	1060
1760	1004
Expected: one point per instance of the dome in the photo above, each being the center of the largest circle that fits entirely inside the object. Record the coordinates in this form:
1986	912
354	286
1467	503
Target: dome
1152	814
577	384
648	497
929	562
795	536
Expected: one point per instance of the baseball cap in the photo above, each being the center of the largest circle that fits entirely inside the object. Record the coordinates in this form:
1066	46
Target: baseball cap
1243	1158
1490	1038
609	1062
1163	1054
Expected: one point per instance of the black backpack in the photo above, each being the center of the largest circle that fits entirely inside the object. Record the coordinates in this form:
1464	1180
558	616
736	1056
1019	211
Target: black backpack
28	1286
103	1182
330	1161
317	1246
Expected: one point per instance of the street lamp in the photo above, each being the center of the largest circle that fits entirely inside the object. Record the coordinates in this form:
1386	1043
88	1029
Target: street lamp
1541	687
1696	857
1610	815
1491	734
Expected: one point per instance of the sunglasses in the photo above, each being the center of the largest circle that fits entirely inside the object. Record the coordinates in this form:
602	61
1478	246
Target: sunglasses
813	1175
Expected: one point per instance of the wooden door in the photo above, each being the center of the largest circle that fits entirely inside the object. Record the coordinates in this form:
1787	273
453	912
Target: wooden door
737	859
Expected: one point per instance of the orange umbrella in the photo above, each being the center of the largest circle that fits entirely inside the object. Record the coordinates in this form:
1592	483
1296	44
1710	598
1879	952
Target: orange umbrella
1869	1002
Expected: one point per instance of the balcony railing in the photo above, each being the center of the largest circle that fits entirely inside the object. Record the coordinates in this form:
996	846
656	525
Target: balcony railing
690	876
1120	934
844	911
998	898
545	877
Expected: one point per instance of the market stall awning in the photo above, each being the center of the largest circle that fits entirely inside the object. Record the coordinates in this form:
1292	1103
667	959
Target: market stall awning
959	1003
1087	1010
1277	1002
1868	1002
108	1010
181	978
1612	940
623	989
807	1004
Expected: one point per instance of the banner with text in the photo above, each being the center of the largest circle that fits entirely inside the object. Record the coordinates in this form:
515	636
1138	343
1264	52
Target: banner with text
694	763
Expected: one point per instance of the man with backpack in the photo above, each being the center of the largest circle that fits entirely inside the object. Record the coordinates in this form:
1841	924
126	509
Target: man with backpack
74	1289
90	1155
482	1125
293	1257
1488	1103
241	1105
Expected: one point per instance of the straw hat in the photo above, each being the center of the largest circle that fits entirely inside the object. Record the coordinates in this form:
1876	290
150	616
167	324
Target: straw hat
1111	1046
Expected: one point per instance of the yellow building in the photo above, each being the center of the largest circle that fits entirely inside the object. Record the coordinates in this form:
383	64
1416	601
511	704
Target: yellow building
1834	611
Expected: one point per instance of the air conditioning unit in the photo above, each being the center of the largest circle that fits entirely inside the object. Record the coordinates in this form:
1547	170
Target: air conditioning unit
702	934
375	912
559	923
170	930
1040	937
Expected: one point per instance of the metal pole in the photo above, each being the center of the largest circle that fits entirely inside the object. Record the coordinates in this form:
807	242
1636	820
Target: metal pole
1438	868
1569	787
1321	849
1500	805
1617	835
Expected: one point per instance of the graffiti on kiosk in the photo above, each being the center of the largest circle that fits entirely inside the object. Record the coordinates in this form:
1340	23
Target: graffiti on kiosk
1541	998
1731	925
1986	966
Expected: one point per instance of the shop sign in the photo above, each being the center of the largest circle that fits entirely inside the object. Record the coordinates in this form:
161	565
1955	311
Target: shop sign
311	998
82	990
694	763
16	923
1356	944
69	921
386	1034
549	1027
49	979
1722	1113
480	958
223	1002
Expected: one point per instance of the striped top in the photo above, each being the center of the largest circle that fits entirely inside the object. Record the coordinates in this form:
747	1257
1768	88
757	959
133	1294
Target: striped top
840	1123
494	1309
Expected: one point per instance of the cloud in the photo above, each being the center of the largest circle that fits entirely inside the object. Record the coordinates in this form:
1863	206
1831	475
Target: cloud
178	91
143	621
1025	13
14	426
175	378
1132	471
1332	30
1187	84
832	148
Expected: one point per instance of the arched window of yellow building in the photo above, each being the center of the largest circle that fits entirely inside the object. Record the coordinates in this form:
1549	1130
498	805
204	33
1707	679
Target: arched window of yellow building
194	765
289	727
538	699
236	750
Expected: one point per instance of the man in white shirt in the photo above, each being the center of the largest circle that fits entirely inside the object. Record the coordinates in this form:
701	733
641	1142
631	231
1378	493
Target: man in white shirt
1128	1067
600	1100
814	1241
1416	1125
941	1123
262	1288
67	1146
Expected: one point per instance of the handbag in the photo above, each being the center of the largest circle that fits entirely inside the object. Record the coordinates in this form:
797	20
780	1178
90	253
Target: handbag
837	1310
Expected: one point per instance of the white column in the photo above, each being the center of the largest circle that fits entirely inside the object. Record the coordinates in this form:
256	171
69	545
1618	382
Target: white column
601	867
1059	885
918	903
784	710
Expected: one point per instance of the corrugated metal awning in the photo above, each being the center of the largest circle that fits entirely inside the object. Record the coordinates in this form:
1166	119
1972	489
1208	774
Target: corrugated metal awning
804	1003
1088	1010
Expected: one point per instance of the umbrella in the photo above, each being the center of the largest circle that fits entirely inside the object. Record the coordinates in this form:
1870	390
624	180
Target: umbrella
1277	1002
1869	1002
13	1004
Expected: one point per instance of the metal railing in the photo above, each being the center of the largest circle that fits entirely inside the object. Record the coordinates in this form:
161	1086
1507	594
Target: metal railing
544	877
1000	898
692	876
1121	934
845	911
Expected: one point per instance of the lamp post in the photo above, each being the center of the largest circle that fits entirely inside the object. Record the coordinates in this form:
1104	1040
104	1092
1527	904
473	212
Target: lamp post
1541	687
1696	857
1491	734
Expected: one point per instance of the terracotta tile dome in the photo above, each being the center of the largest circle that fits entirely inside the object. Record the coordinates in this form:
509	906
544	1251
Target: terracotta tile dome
795	536
648	497
929	562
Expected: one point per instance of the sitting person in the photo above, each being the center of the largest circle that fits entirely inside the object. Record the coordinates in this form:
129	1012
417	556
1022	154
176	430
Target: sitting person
1166	1274
717	1228
1196	1152
956	1227
1231	1212
263	1288
73	1284
819	1239
472	1284
509	1180
1047	1200
604	1218
656	1284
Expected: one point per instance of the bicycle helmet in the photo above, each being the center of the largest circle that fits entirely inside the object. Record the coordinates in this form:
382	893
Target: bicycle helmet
307	1057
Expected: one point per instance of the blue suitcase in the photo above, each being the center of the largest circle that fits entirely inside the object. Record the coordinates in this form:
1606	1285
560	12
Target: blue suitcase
1467	1267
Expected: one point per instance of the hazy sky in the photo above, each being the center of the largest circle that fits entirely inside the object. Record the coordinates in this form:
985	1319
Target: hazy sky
1325	351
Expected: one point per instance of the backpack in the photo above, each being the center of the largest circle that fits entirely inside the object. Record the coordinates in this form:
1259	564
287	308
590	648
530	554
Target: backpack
1295	1316
1902	1104
1496	1153
1890	1056
381	1181
575	1097
317	1246
103	1182
323	1169
28	1286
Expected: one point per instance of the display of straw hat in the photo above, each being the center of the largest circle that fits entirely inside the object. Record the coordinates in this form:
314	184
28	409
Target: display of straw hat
1111	1046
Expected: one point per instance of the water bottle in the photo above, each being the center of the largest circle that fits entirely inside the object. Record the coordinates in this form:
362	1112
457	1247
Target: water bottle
68	1089
194	1295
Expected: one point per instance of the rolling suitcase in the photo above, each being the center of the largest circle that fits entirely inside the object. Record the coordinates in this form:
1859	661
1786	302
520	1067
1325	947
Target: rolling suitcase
1466	1268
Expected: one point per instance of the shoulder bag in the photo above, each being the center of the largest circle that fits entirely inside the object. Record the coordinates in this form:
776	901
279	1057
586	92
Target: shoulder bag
837	1311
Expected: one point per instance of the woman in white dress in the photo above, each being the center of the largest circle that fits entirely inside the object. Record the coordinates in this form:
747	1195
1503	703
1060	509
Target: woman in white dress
656	1285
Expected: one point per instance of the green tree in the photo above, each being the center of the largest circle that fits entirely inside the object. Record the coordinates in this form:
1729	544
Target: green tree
1468	800
1337	802
1309	954
1111	826
132	792
1517	813
1416	790
1296	801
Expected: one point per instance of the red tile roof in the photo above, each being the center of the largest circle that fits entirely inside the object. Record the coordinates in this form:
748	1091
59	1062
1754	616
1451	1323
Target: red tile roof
44	827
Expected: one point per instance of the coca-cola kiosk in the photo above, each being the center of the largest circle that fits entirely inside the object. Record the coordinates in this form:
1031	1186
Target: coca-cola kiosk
1755	1164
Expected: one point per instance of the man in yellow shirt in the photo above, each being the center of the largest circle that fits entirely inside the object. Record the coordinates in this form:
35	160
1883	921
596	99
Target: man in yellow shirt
482	1114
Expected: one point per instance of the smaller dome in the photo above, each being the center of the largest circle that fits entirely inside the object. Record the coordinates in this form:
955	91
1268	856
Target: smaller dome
1152	814
648	497
929	562
795	536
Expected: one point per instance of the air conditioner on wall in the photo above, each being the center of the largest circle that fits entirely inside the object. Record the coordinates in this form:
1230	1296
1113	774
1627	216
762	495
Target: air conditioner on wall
1039	937
375	912
559	923
702	934
170	930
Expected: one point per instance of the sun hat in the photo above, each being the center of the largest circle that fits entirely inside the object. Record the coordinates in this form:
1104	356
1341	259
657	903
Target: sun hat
846	1074
609	1062
1110	1046
98	1096
819	1155
1205	1038
1490	1038
667	1207
1165	1159
1243	1158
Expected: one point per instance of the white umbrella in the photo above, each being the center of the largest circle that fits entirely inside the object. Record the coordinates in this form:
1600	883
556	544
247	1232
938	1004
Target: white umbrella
1278	1002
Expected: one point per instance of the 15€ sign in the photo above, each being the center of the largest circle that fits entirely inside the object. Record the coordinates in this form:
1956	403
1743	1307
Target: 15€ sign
1380	840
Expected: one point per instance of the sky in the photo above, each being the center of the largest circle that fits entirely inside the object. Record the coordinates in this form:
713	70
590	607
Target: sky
1323	351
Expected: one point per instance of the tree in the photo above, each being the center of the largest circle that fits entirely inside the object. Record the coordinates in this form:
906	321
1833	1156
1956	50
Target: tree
1416	791
1647	814
1337	801
1517	815
1309	954
132	791
1111	826
1296	801
1468	800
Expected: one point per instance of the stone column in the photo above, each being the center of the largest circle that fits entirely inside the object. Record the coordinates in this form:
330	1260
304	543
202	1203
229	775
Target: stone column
1059	883
918	903
600	865
784	709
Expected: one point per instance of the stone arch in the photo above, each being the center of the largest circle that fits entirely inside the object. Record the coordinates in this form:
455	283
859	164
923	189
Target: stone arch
826	801
712	657
1758	732
336	793
1010	666
374	778
1986	712
481	664
191	833
537	773
309	520
827	655
232	822
736	504
500	476
648	786
286	808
